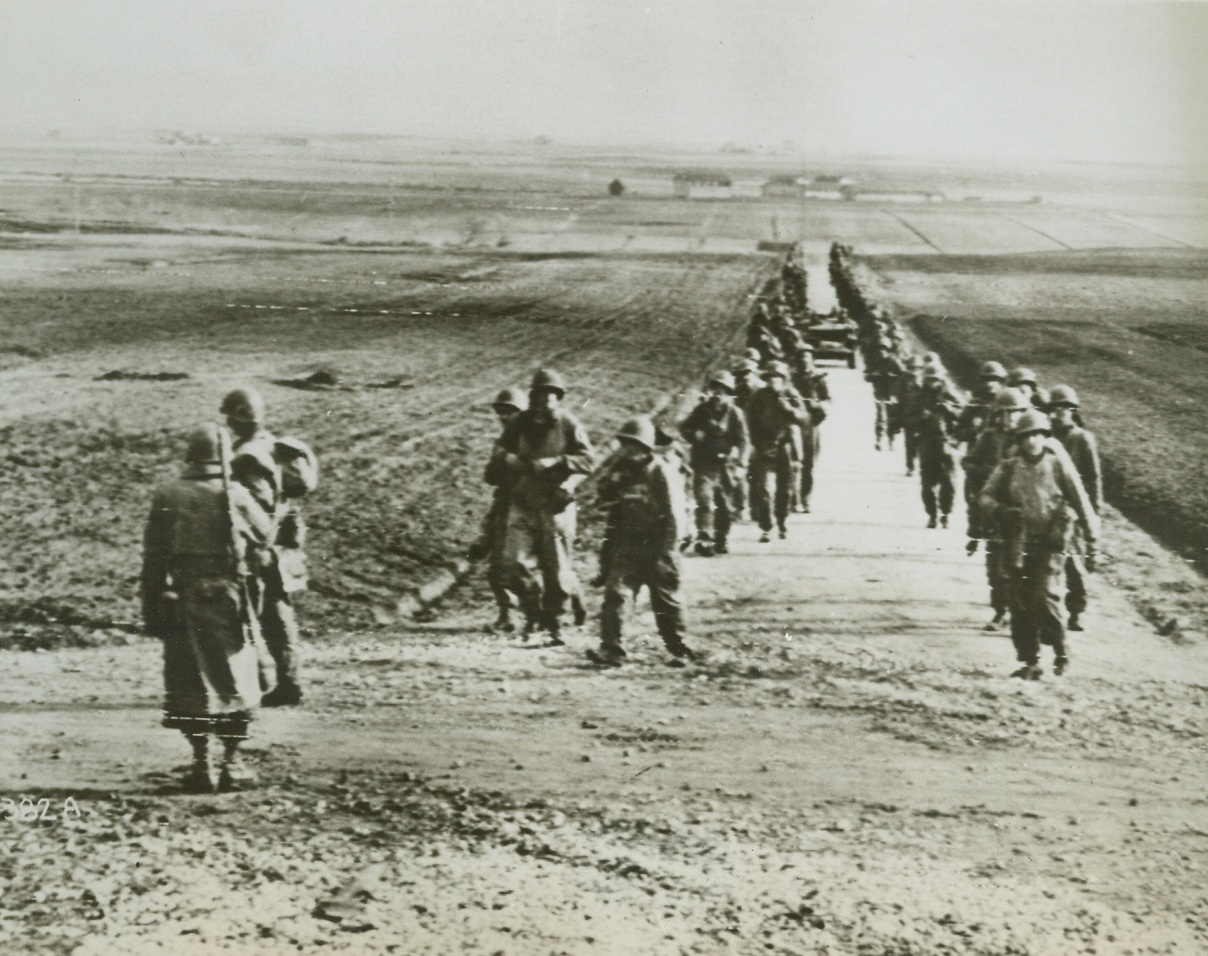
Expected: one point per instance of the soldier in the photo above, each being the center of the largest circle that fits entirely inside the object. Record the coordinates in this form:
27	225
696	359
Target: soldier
977	411
195	546
775	418
1025	380
647	493
746	383
811	385
255	465
882	371
1083	450
490	542
937	449
717	434
545	453
1036	496
909	409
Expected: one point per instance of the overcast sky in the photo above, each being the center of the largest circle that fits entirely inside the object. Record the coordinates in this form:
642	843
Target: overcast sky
1001	78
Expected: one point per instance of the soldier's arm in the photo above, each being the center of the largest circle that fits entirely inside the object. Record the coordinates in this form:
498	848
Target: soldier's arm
254	522
740	436
991	499
578	458
154	577
1075	494
669	522
1091	470
691	422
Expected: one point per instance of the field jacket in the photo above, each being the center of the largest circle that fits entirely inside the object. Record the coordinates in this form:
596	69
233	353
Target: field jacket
544	462
715	433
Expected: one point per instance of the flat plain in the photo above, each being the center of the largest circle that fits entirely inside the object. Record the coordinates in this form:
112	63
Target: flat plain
851	772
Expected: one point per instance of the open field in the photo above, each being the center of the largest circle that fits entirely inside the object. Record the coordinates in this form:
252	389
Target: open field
850	773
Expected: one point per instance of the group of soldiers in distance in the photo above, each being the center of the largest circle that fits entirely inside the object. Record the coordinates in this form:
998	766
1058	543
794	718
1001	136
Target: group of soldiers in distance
1032	481
749	443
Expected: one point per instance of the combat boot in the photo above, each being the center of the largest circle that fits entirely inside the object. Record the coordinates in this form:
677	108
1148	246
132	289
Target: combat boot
235	775
705	548
503	623
721	547
1075	622
200	778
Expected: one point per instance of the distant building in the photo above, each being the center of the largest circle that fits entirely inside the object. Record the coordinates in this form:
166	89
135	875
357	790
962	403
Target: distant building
702	184
784	187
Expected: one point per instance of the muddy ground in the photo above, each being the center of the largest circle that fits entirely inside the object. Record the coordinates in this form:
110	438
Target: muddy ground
850	772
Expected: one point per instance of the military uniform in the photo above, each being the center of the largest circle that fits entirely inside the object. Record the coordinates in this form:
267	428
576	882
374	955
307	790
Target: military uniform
717	434
646	494
544	454
1037	498
908	411
937	453
195	599
1083	450
812	386
775	420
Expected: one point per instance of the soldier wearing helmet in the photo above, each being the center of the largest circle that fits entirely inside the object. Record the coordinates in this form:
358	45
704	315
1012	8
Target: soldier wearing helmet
544	453
1026	381
976	414
258	461
1083	449
814	390
716	432
492	531
996	442
193	560
775	419
937	448
882	368
909	409
746	383
1037	498
645	494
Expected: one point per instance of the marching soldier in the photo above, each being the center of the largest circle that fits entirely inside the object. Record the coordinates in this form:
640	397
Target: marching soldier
257	463
201	529
1083	450
647	493
996	442
1037	497
775	418
490	542
717	433
977	411
883	371
909	409
811	385
937	449
544	452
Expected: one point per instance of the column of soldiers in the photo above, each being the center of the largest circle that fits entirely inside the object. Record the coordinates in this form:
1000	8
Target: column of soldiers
1032	478
222	560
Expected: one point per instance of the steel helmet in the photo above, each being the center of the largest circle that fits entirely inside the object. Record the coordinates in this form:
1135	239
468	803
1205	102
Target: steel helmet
915	362
546	379
639	431
754	355
806	347
991	370
1021	376
243	405
776	368
745	367
1063	396
1033	421
204	444
1011	400
510	398
723	379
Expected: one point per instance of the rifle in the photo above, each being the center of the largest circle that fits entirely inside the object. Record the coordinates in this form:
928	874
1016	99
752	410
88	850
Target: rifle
237	549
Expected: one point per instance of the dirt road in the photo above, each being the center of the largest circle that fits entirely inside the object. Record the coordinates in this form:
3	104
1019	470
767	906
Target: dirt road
851	772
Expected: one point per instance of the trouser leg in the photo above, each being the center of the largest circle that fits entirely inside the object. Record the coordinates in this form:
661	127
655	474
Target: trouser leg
947	485
810	447
1023	617
703	485
761	502
279	625
911	443
612	608
1075	582
663	581
784	484
1048	571
996	577
722	519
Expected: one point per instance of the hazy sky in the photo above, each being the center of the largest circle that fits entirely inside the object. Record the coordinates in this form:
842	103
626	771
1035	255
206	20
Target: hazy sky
1008	78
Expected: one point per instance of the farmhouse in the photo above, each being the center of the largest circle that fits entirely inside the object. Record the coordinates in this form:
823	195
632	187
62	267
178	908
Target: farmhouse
784	187
702	184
